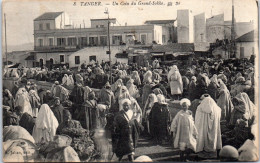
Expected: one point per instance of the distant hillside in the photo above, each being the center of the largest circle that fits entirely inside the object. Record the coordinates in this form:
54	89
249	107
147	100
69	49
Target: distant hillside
22	47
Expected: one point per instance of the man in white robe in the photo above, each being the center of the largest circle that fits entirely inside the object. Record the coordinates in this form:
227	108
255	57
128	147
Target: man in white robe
207	121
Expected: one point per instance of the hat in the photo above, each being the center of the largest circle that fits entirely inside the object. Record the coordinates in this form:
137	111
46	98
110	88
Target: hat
185	100
126	101
56	82
161	99
228	153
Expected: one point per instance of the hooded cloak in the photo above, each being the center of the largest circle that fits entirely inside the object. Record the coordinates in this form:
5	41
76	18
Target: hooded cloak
46	125
207	122
175	80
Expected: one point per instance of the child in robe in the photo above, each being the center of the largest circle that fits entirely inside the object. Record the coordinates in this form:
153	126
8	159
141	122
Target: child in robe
184	131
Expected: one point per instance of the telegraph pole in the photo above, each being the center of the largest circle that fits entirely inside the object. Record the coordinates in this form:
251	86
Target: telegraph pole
233	32
5	42
109	50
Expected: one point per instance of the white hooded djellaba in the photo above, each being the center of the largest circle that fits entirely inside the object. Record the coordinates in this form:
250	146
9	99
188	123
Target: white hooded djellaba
45	126
207	122
175	80
22	99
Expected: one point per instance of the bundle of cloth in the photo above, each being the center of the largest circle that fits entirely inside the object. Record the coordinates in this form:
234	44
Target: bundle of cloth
18	145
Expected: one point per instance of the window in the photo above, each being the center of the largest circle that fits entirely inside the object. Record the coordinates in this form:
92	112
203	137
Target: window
48	26
92	58
143	38
40	27
62	59
41	62
50	41
77	60
93	41
83	41
96	26
40	42
72	41
61	41
116	40
103	40
101	26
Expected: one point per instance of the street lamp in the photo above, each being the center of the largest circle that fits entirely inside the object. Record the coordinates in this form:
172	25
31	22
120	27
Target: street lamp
109	51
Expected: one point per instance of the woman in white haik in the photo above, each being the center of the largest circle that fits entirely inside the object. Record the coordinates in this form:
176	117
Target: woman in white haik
175	81
184	131
45	126
65	80
207	121
152	98
71	83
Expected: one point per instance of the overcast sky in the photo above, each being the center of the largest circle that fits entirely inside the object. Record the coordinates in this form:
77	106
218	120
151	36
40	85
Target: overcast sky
20	13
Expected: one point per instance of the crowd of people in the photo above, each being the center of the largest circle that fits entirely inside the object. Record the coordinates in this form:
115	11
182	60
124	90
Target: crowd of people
87	115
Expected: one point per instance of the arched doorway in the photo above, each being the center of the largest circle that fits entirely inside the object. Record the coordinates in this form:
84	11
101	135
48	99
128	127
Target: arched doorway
51	63
41	63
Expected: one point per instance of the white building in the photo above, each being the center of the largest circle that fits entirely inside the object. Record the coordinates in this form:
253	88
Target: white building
55	38
215	28
247	45
199	28
94	53
185	26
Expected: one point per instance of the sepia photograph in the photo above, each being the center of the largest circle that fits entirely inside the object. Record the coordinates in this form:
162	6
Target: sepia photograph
130	81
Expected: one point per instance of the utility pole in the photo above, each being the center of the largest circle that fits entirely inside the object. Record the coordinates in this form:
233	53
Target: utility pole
109	50
232	51
5	42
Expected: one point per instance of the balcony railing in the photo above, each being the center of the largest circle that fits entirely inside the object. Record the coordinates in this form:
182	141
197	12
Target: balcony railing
49	48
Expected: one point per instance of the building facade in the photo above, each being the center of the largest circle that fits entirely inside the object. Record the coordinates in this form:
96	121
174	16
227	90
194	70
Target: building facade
215	28
55	38
247	45
185	26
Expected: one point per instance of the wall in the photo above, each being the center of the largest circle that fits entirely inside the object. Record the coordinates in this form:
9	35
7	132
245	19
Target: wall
54	56
248	49
104	22
199	28
62	20
43	22
99	52
157	34
184	26
215	28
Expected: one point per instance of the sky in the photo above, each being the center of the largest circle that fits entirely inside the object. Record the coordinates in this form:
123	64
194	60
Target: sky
21	13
